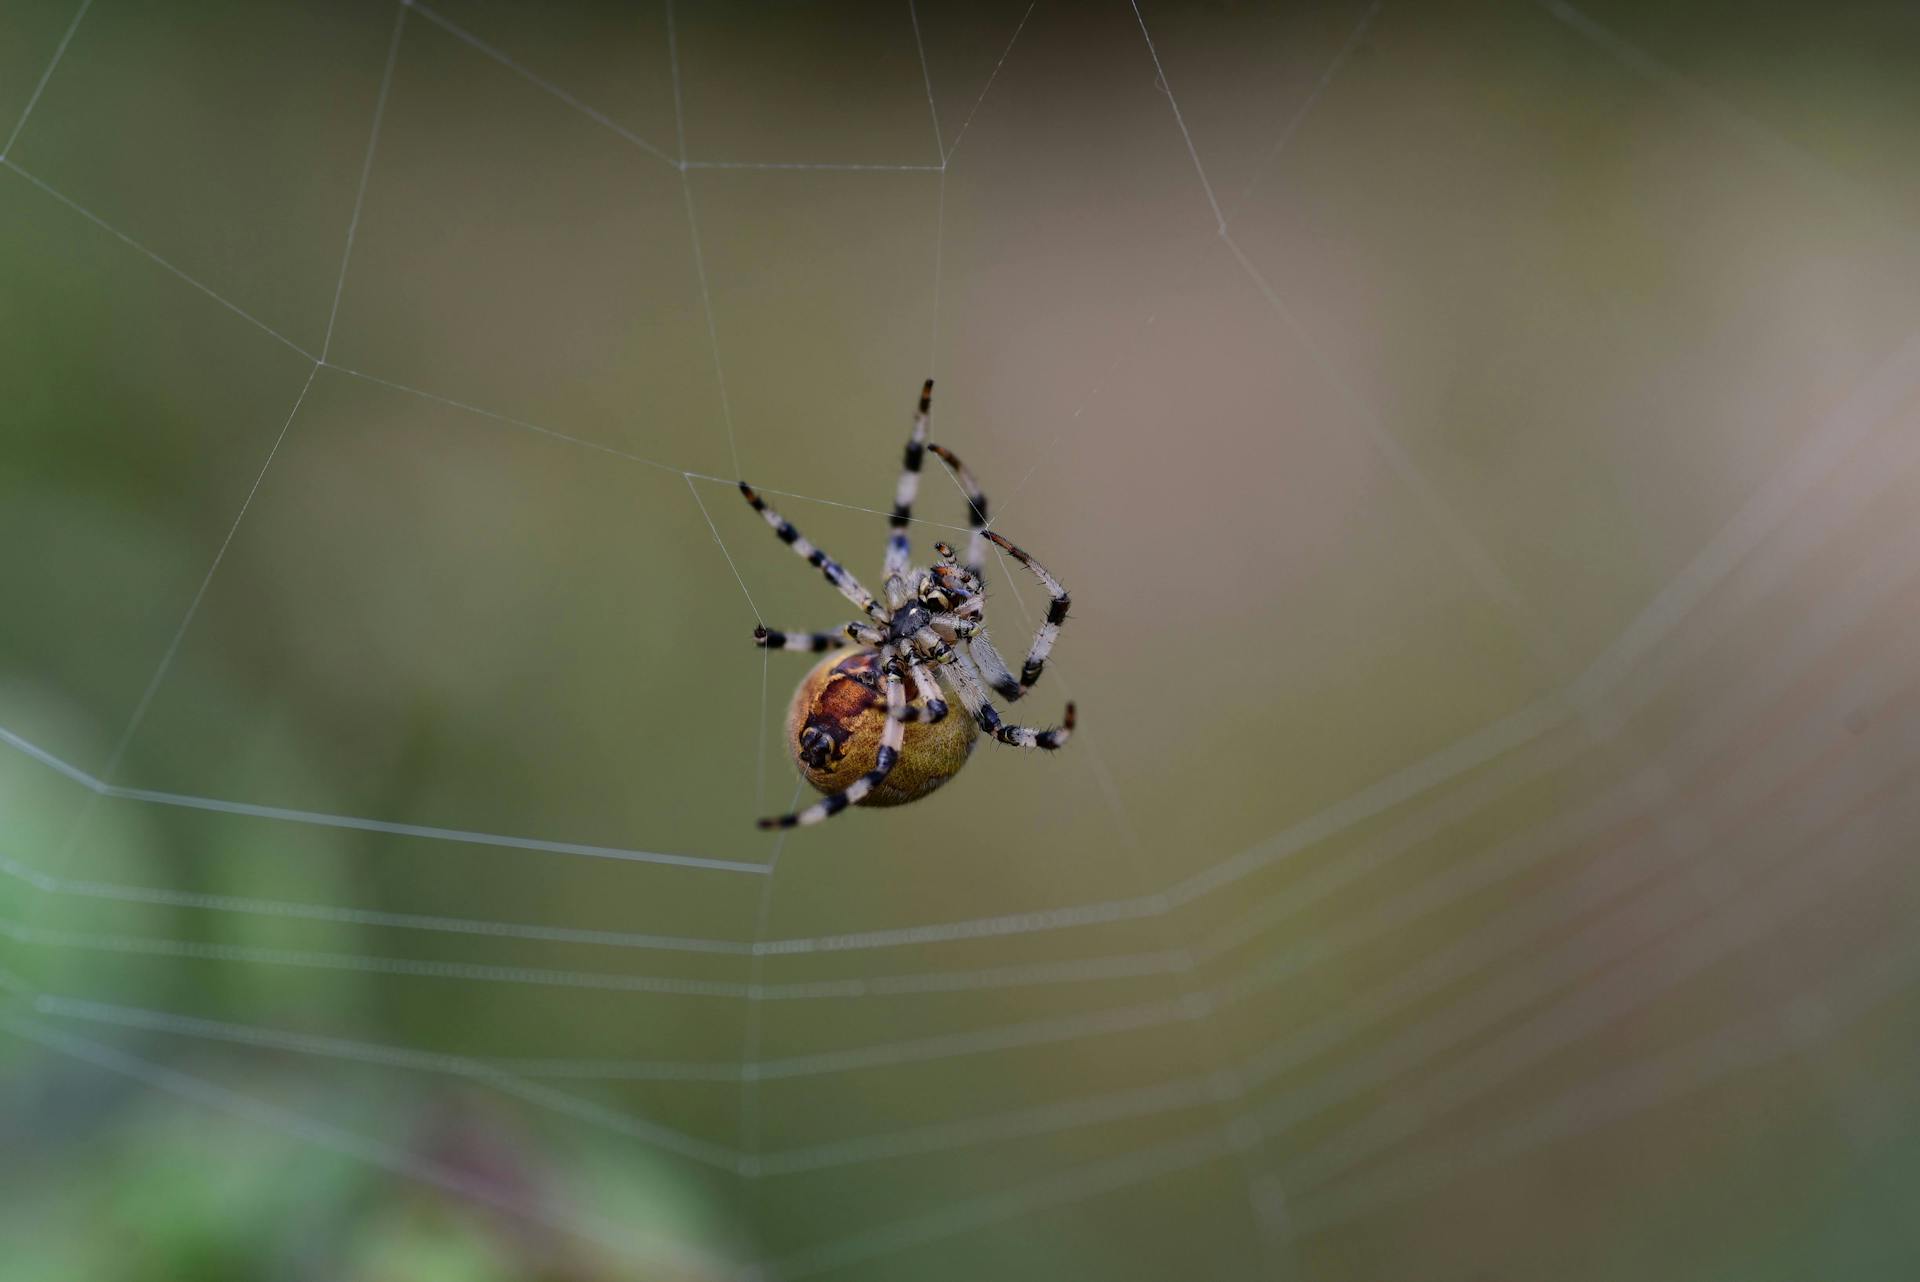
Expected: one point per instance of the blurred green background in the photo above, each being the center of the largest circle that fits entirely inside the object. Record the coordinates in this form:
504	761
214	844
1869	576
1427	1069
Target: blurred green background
1481	441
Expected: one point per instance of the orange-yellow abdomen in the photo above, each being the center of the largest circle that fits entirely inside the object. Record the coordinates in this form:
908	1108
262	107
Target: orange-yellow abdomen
834	727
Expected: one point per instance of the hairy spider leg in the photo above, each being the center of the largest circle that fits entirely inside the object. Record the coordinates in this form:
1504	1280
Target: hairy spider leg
1056	613
891	737
933	706
970	635
909	487
934	646
976	514
896	591
848	586
955	626
993	668
965	679
774	639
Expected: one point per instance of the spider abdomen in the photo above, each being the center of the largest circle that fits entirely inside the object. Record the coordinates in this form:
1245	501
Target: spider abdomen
834	726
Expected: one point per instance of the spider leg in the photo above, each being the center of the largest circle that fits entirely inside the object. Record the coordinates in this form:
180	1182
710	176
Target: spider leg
891	737
849	587
957	627
896	592
965	679
774	639
972	637
977	511
909	486
993	668
1056	613
933	706
934	646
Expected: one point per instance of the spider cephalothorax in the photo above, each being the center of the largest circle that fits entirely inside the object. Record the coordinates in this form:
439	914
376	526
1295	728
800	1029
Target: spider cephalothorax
852	729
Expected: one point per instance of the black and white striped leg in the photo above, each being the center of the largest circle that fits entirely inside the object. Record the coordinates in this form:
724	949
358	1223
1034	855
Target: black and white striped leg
977	514
959	628
933	646
1028	737
774	639
973	696
965	680
892	735
1056	612
896	592
933	707
909	486
993	668
848	586
955	626
866	634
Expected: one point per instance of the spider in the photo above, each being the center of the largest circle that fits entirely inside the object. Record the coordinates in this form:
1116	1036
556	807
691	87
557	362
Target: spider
931	630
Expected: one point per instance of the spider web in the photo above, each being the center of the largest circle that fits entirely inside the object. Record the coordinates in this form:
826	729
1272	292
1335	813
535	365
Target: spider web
1474	760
